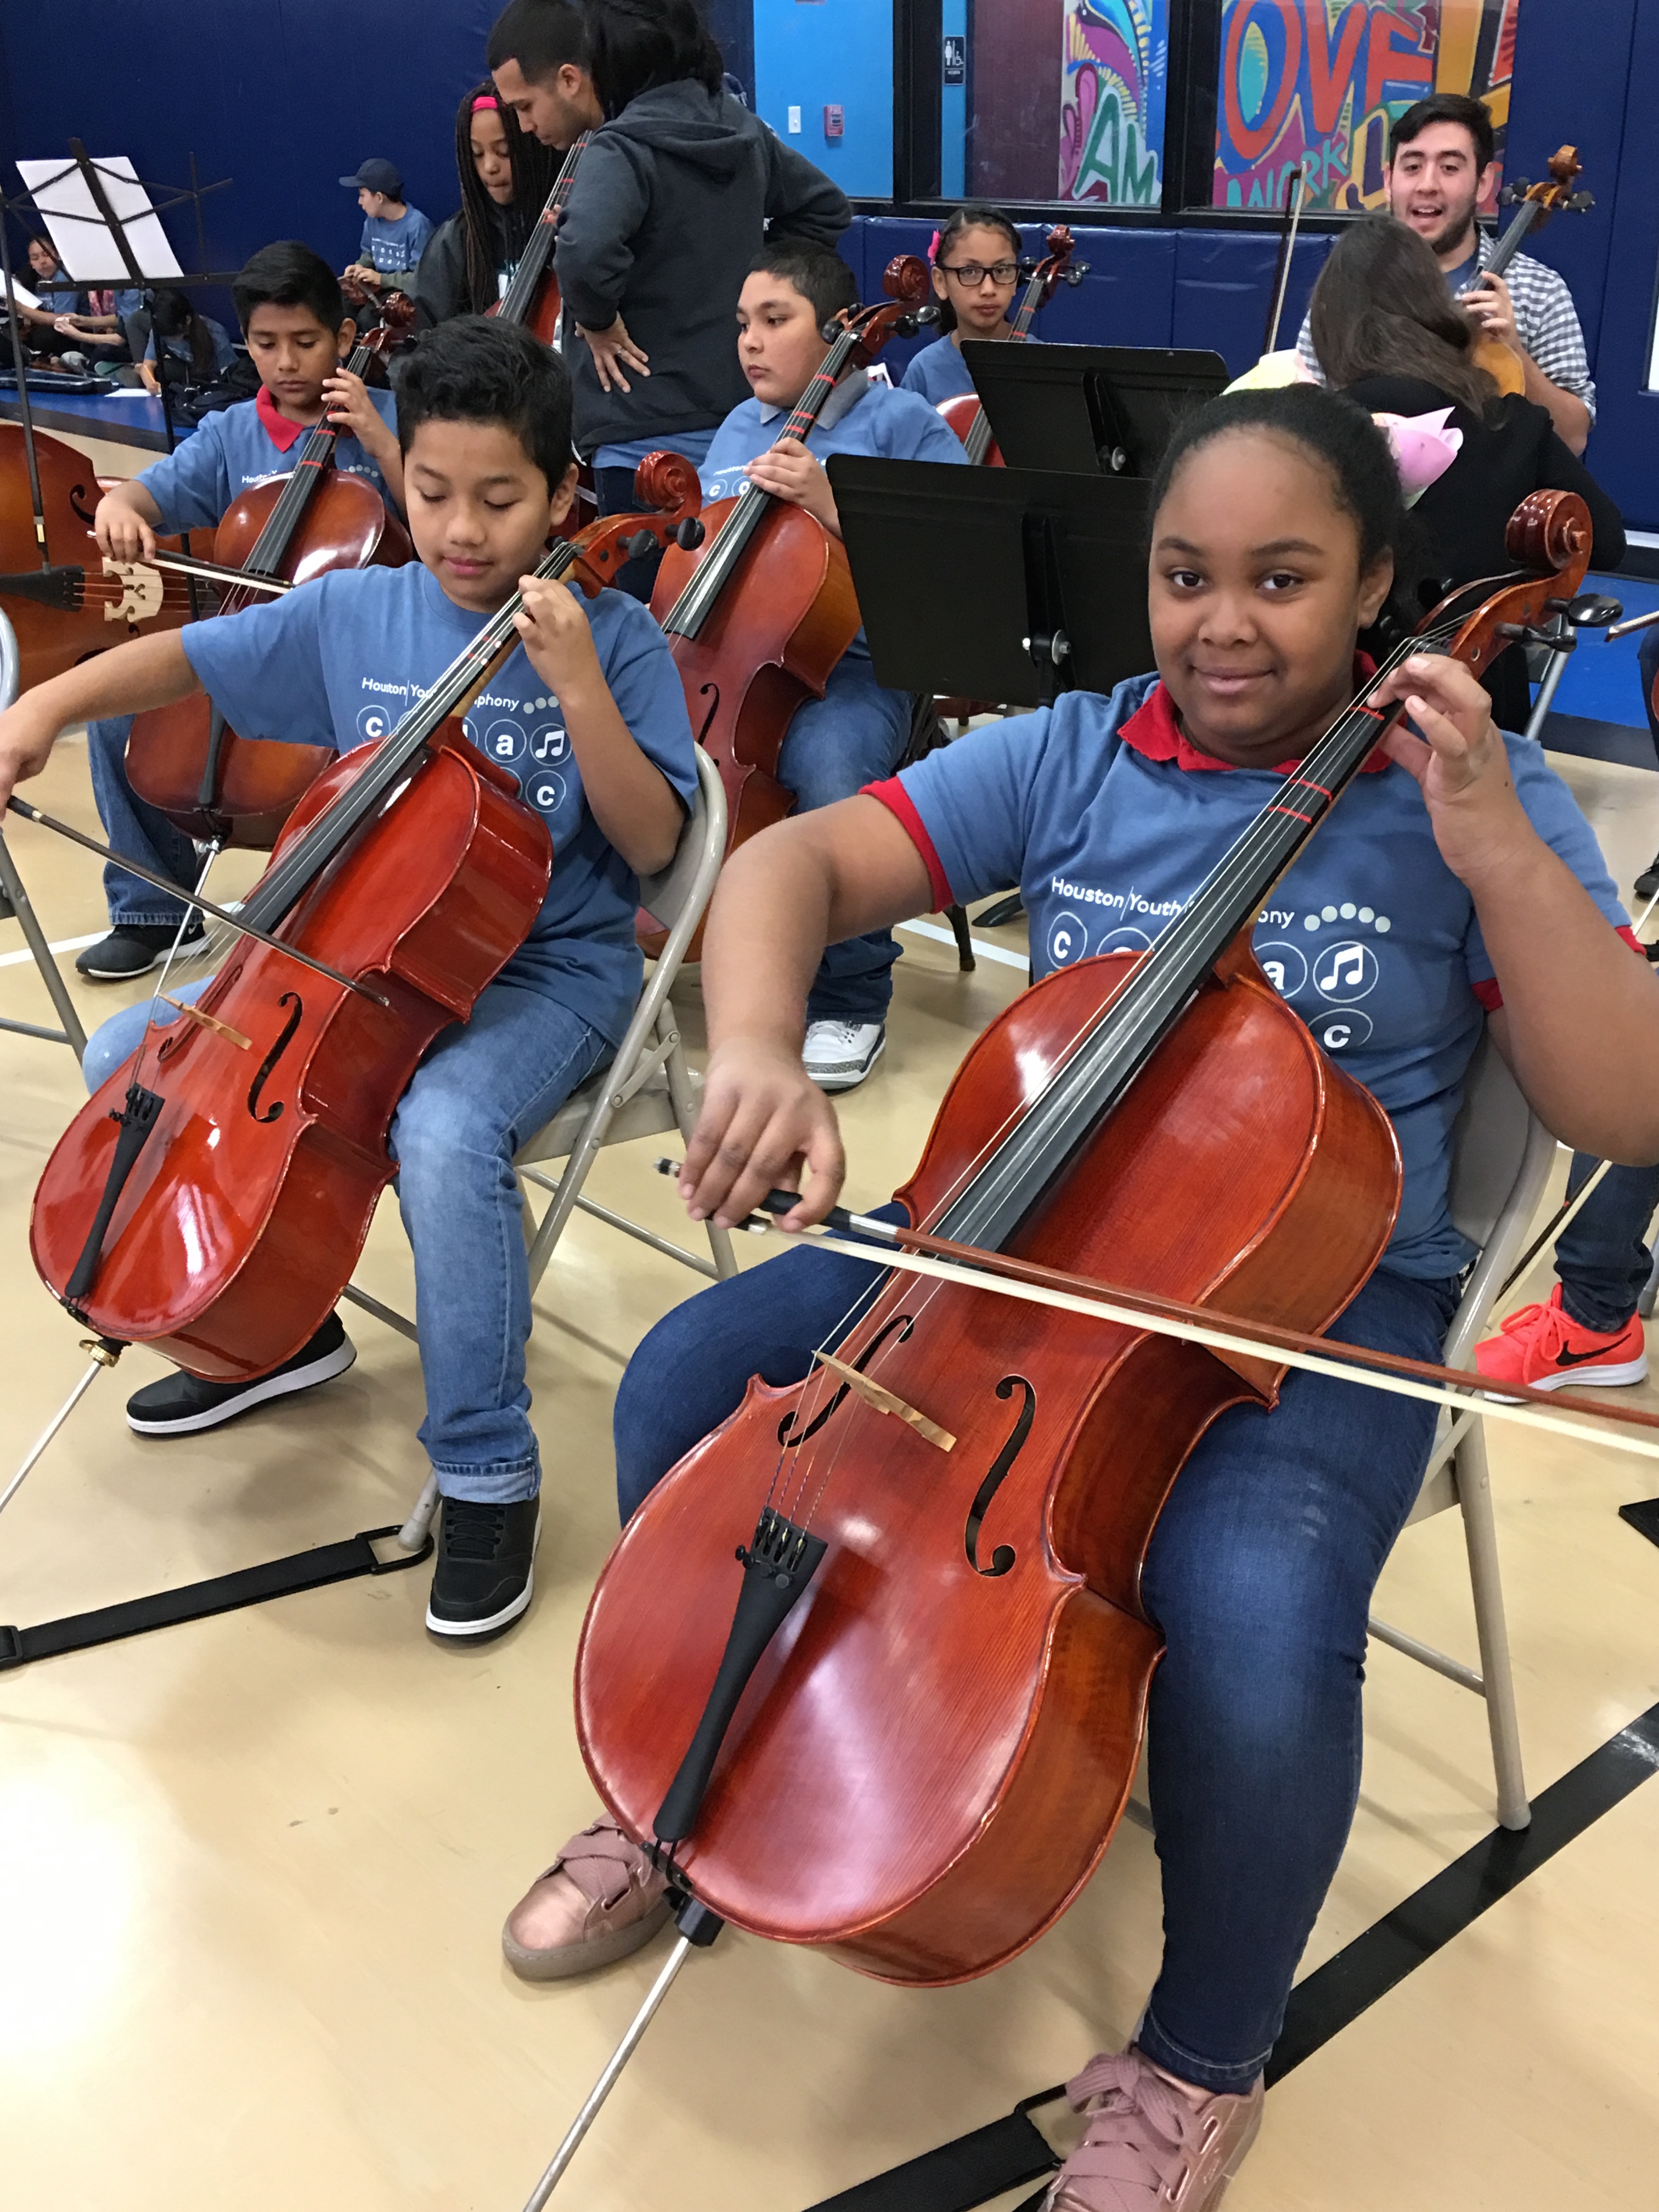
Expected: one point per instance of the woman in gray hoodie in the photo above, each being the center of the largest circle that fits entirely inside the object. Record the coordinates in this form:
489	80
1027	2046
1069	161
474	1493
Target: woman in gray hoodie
669	209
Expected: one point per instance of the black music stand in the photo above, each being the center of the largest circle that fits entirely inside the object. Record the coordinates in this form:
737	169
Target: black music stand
1006	584
1102	410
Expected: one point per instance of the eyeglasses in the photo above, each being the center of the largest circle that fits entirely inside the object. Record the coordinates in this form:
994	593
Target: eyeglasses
973	273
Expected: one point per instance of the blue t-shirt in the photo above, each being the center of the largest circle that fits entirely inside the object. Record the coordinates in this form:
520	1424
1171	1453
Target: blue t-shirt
1109	830
939	373
859	418
340	662
179	349
232	450
393	247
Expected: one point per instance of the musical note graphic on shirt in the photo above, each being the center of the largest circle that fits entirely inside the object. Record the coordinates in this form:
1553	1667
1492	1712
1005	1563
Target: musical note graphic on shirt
548	745
1345	971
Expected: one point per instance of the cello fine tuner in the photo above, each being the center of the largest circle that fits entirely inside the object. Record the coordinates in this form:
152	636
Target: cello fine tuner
142	588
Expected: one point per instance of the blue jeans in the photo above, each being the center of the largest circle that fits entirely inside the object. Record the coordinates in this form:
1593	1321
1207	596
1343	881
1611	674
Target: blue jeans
1602	1258
136	830
1260	1575
855	734
485	1087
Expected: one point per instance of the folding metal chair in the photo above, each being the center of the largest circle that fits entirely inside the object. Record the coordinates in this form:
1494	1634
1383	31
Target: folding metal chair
648	1089
1501	1160
15	900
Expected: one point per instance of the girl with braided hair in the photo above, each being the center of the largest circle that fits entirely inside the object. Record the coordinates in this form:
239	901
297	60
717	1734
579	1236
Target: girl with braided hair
506	175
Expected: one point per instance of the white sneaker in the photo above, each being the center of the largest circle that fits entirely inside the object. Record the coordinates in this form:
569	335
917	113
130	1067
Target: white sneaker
838	1055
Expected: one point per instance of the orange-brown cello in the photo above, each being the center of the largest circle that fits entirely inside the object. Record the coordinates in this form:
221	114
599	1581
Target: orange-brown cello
212	1197
216	785
965	413
1533	204
79	604
758	615
913	1745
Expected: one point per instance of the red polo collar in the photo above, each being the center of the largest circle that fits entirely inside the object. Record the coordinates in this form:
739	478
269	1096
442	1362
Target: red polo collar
1154	732
281	433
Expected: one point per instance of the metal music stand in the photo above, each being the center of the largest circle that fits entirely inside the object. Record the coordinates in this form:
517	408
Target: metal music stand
1103	411
1009	584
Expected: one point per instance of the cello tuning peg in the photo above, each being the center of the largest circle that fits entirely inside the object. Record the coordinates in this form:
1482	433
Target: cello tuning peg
642	543
689	533
1580	202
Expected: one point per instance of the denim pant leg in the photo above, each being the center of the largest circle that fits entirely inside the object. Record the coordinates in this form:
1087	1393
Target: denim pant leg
486	1086
854	735
1647	657
692	1369
1602	1257
117	1039
1260	1575
136	830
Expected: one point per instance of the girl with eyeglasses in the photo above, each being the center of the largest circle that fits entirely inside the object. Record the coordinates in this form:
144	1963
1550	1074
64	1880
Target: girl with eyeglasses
975	271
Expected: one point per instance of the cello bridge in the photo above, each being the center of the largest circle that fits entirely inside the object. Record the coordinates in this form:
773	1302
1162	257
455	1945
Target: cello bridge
141	592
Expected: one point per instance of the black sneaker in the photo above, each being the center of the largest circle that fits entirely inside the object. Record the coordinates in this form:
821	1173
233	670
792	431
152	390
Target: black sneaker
485	1570
1647	882
181	1403
131	951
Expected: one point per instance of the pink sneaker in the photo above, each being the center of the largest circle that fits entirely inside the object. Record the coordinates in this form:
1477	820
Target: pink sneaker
1148	2147
1545	1346
599	1899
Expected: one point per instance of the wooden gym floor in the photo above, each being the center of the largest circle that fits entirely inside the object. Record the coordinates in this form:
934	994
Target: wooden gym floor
252	1871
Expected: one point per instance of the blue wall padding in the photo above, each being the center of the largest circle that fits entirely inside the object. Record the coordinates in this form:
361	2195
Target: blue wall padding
1570	89
1223	288
1624	451
284	96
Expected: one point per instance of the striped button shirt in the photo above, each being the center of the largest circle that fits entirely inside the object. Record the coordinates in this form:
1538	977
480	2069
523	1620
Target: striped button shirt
1545	321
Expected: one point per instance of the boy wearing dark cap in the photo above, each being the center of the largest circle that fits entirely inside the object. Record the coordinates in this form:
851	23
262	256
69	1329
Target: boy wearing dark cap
394	234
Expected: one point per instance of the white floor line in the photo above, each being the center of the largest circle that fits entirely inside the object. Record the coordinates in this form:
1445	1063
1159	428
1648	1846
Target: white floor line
64	945
982	950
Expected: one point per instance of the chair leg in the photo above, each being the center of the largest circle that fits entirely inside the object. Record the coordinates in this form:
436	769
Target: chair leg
684	1102
1480	1535
414	1532
958	918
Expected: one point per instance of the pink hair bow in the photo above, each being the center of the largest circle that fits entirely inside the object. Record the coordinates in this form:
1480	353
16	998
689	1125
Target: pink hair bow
932	251
1424	448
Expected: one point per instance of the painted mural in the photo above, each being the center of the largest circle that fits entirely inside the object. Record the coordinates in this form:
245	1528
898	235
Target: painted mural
1113	79
1319	81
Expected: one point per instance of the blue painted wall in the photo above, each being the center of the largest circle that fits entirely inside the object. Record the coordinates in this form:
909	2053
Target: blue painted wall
810	54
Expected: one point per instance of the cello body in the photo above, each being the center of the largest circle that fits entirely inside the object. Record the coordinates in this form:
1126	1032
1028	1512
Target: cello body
772	642
242	1220
962	413
242	792
933	1753
50	640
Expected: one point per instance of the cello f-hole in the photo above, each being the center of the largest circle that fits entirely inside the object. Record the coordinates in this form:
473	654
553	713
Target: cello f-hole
714	707
904	1323
1003	1557
293	999
78	504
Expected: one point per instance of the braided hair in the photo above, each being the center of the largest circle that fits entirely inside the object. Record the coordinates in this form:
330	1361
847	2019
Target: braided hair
534	168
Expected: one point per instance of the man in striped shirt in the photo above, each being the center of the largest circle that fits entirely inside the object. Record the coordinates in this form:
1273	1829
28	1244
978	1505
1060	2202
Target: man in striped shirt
1440	165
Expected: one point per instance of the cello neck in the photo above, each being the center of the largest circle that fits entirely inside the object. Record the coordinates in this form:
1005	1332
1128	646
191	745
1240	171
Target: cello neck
1510	245
701	595
1012	1178
519	297
396	756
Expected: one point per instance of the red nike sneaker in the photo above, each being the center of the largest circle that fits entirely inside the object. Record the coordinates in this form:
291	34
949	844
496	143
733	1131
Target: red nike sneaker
1545	1347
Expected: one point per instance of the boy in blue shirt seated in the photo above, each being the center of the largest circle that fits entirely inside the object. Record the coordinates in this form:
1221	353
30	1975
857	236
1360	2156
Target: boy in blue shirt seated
589	716
395	235
289	303
975	270
858	731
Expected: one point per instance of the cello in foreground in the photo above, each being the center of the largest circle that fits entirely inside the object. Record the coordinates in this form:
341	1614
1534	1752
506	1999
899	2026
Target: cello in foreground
912	1742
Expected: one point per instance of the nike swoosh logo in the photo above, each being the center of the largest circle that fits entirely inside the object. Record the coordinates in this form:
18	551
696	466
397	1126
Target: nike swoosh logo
1577	1358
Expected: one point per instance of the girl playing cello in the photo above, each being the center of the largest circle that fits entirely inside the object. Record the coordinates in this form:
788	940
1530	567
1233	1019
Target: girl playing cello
506	175
1456	883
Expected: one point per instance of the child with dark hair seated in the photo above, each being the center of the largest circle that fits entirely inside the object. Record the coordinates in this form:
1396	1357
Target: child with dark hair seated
196	348
589	713
858	731
975	271
298	334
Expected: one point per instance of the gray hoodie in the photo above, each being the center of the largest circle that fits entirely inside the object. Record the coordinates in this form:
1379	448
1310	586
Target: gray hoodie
667	210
